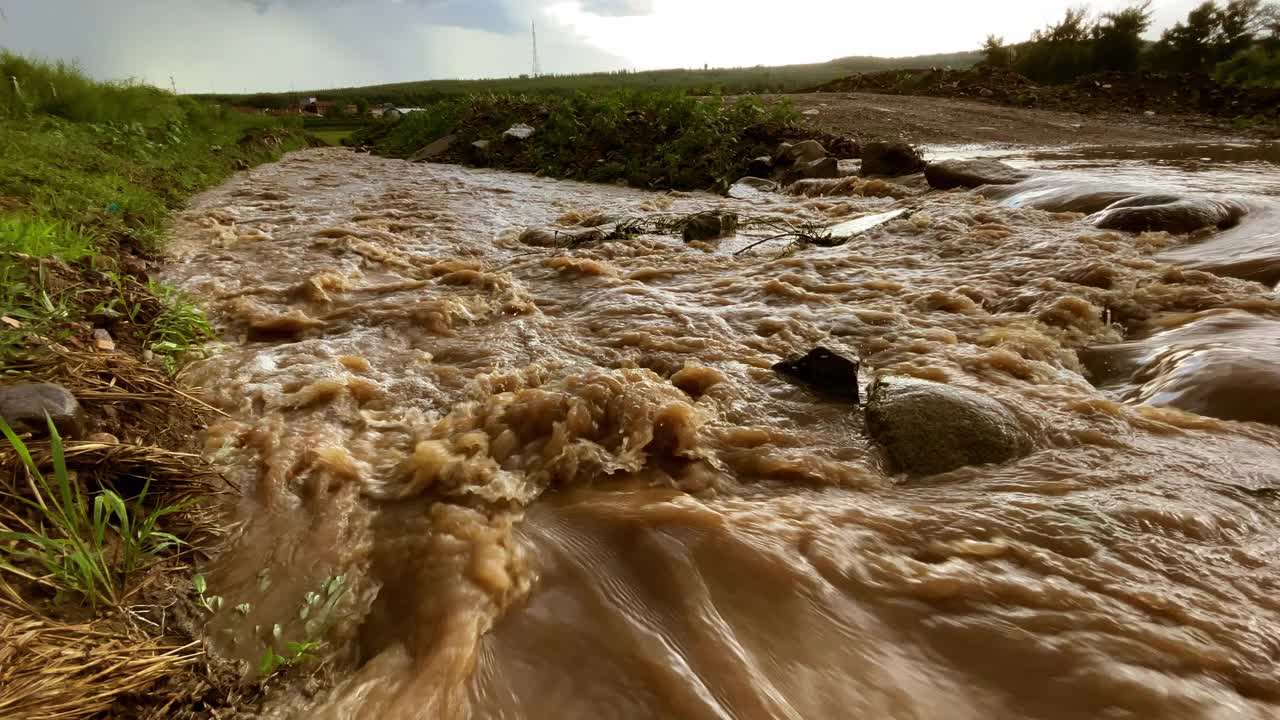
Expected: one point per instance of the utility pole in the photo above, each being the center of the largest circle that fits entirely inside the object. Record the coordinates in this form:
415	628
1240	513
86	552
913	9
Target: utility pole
537	66
173	85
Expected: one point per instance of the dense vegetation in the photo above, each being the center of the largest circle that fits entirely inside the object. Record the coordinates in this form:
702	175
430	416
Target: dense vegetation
647	139
726	81
89	172
1239	41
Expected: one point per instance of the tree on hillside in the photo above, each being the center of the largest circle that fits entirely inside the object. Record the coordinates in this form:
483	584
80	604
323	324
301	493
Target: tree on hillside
995	53
1059	53
1238	23
1189	46
1117	37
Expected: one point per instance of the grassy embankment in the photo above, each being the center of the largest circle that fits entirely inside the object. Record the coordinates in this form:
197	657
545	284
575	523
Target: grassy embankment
646	139
97	538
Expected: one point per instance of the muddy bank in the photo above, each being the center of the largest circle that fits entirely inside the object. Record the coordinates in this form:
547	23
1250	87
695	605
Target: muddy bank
948	120
567	481
1166	94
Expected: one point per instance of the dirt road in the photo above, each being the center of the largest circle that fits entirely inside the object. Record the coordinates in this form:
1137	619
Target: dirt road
946	121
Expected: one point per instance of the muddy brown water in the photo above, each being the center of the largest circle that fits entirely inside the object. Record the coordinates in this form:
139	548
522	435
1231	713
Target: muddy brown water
504	480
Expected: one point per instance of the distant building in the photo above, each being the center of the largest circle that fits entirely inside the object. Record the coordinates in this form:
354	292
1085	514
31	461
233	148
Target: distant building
319	108
392	113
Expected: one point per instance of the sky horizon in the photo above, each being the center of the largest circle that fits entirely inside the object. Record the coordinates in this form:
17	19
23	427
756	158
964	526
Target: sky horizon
245	46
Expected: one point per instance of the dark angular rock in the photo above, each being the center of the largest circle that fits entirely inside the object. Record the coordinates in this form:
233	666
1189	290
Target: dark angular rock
761	167
890	159
435	149
845	148
927	428
948	174
827	372
825	168
710	225
24	405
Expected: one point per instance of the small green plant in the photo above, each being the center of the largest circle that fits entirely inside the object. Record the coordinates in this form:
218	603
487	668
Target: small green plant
298	654
212	603
179	327
87	545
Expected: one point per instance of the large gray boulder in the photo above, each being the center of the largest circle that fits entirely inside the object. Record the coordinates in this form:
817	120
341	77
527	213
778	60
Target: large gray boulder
24	406
803	152
949	174
1169	213
928	428
891	159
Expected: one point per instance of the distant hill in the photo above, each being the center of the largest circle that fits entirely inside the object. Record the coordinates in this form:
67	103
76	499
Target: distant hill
759	79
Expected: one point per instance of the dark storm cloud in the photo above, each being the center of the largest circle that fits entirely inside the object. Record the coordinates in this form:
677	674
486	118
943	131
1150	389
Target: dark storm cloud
491	15
618	8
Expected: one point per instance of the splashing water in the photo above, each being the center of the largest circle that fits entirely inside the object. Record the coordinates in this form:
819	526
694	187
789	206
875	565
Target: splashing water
566	483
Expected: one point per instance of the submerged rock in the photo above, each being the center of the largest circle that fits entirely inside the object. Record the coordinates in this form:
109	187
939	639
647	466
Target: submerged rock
433	150
827	372
890	159
1169	213
948	174
710	225
928	428
24	406
749	187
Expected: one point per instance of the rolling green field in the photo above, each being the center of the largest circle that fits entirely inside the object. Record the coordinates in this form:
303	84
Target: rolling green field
729	81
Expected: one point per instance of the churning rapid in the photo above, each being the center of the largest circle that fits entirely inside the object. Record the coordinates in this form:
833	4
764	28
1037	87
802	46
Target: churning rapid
504	468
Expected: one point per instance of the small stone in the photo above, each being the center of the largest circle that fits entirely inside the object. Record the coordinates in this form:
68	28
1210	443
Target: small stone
827	372
24	406
927	428
710	226
102	340
518	132
103	438
1150	113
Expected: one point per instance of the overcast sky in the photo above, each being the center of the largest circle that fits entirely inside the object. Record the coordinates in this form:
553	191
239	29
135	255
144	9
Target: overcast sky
247	45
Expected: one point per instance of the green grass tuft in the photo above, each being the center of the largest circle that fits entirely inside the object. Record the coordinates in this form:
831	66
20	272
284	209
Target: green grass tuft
88	545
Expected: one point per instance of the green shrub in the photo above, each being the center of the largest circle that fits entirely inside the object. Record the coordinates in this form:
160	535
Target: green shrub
649	139
1257	67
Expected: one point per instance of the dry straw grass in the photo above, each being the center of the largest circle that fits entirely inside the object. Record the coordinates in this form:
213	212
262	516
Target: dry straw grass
51	670
64	662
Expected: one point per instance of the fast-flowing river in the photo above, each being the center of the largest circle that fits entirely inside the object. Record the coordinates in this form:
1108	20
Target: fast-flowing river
500	477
